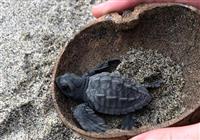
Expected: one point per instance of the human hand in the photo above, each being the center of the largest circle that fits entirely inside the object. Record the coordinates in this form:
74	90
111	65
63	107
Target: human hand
191	132
119	5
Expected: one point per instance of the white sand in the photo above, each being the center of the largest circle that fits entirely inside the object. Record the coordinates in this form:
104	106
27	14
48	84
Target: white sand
32	33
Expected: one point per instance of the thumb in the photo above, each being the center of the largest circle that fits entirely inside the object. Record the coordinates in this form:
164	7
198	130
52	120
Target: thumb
112	5
191	132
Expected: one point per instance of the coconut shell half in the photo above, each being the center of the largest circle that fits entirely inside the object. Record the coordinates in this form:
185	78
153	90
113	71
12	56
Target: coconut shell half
172	29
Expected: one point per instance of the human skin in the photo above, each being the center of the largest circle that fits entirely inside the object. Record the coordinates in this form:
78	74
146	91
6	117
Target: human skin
119	5
191	132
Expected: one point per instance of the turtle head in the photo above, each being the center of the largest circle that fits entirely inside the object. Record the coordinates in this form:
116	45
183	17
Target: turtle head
70	85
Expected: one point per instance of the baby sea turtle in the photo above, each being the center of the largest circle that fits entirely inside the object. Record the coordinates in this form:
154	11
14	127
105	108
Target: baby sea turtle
101	90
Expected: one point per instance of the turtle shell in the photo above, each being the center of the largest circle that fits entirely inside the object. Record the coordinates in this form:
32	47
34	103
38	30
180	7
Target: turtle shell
111	93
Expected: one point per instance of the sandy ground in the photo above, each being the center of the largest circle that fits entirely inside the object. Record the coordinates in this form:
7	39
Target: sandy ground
32	33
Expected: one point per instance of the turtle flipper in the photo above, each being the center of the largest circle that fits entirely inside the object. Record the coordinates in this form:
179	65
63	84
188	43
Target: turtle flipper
129	122
153	81
107	66
155	84
88	120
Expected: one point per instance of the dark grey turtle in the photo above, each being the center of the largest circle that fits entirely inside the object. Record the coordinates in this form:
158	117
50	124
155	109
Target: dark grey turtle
106	92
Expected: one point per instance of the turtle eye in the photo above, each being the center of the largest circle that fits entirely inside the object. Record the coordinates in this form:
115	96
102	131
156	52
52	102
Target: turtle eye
64	85
66	88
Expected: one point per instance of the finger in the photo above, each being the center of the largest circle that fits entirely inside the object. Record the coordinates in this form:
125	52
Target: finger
119	5
179	133
113	6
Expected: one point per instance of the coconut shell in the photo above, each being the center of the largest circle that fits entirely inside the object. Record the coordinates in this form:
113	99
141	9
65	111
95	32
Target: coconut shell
172	29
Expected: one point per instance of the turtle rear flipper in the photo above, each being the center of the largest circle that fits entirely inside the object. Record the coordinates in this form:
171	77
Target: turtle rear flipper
108	66
155	84
88	120
129	122
153	81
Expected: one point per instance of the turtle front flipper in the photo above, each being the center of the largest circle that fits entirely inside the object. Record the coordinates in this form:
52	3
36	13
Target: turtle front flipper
129	122
88	120
107	66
